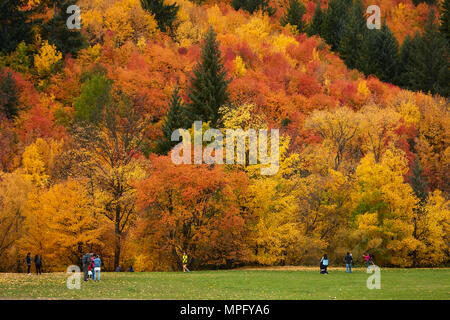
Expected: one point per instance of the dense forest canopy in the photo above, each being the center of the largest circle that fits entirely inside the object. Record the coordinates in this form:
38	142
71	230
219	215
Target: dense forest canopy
86	117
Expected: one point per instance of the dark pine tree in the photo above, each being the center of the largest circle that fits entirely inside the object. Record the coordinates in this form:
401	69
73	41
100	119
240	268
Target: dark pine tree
164	14
253	5
444	28
174	120
379	54
9	95
14	25
428	67
208	86
404	56
294	15
315	27
57	33
419	182
354	33
336	18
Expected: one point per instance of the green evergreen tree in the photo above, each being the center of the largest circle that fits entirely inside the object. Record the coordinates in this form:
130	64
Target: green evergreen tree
174	120
165	15
253	5
315	27
379	54
404	56
208	85
419	182
57	33
294	15
95	95
428	67
335	21
14	24
9	95
444	28
354	33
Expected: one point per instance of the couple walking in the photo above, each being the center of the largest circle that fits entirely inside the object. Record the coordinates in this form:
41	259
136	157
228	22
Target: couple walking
37	263
91	261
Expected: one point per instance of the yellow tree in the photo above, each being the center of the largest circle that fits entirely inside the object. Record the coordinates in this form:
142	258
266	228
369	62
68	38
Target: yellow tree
383	208
14	191
61	224
337	128
377	129
433	231
111	150
38	160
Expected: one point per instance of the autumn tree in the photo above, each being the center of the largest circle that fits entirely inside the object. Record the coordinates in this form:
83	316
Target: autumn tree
383	211
14	192
338	128
195	209
111	148
61	224
294	15
208	89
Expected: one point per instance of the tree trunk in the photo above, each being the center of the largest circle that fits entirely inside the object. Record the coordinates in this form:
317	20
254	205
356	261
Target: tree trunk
117	246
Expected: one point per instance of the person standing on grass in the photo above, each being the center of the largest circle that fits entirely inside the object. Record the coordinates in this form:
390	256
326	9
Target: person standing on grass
38	264
348	262
86	260
97	265
324	264
185	261
28	261
367	258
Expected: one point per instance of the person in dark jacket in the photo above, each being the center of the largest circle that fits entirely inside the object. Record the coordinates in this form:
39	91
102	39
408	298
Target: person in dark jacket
348	262
38	264
28	261
86	260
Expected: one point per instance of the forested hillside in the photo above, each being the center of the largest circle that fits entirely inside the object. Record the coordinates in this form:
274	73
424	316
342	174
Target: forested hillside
86	117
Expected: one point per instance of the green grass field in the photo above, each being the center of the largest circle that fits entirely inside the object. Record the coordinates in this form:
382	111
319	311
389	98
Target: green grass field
302	283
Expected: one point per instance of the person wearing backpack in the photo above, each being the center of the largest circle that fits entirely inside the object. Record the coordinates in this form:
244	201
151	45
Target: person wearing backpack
86	260
324	264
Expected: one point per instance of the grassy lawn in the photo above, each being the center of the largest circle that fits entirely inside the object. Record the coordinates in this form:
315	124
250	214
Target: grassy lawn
235	284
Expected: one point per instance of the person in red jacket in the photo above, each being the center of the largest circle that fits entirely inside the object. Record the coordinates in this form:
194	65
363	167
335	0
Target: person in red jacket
367	257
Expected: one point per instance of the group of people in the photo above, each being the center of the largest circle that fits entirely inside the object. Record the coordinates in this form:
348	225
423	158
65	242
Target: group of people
37	263
348	259
91	266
